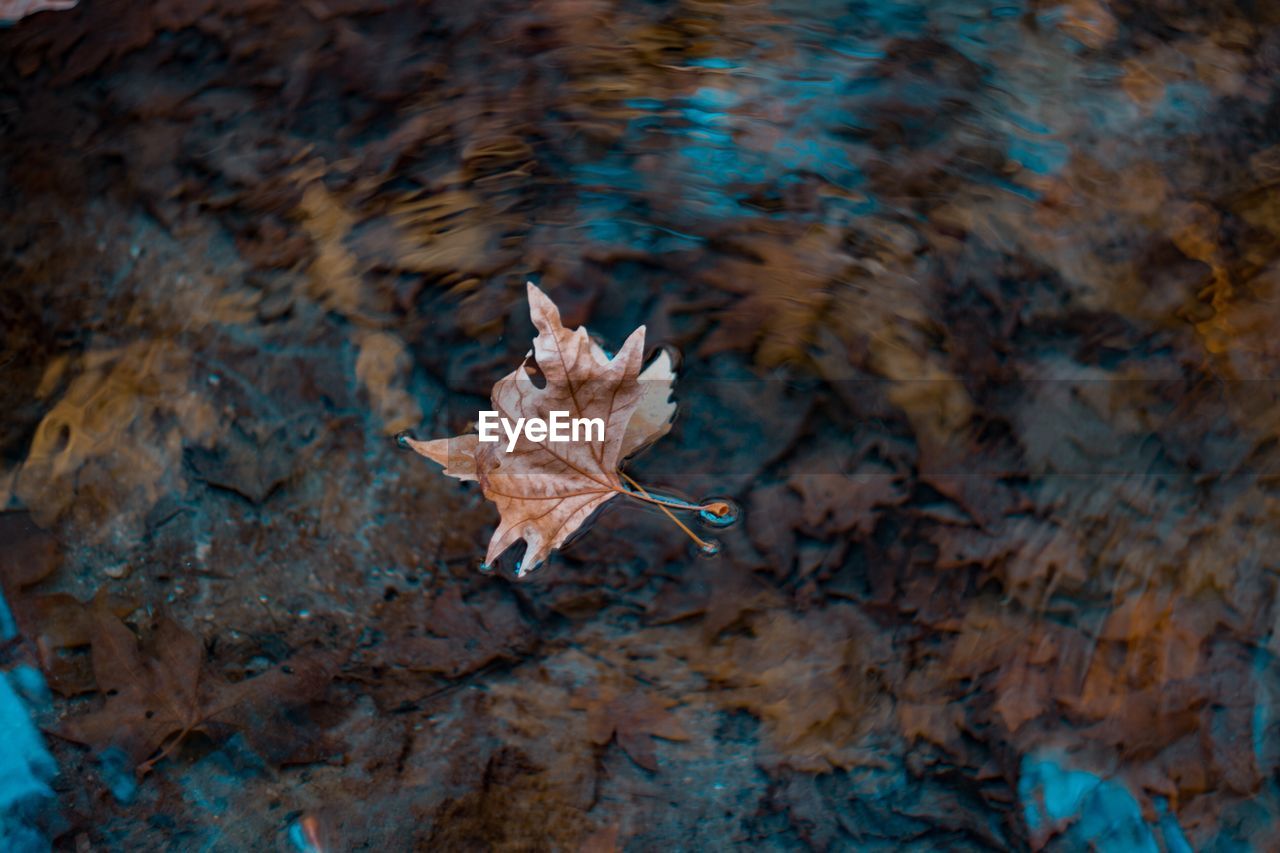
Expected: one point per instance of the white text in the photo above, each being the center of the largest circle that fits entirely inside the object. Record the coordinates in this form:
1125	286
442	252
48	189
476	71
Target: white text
559	428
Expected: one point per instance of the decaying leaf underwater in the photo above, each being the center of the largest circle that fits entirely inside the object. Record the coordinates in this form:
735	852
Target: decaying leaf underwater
545	493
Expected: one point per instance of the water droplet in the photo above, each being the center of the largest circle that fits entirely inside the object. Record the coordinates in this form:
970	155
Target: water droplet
486	569
719	513
403	438
709	548
525	572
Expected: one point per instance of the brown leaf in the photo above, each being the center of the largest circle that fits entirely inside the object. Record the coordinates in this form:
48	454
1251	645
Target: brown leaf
261	707
847	502
463	638
935	722
27	553
251	459
633	718
733	593
59	622
1029	555
545	491
775	512
157	695
54	622
784	292
808	679
723	592
1024	694
147	699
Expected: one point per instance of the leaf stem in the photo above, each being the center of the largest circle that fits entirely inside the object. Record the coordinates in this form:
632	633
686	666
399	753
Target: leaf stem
716	508
643	495
145	767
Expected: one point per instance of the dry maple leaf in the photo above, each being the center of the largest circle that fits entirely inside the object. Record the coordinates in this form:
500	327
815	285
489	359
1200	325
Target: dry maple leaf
545	491
154	700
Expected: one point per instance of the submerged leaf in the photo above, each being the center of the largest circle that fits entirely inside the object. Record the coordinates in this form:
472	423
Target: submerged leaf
634	719
157	695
